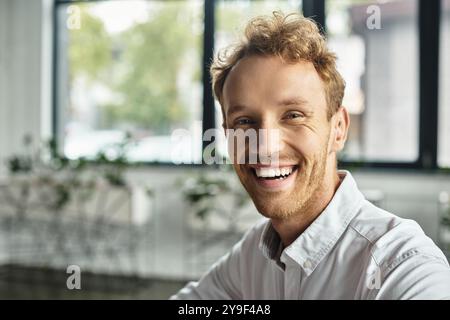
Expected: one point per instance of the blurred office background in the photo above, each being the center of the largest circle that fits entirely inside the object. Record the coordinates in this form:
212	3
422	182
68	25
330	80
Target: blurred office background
102	109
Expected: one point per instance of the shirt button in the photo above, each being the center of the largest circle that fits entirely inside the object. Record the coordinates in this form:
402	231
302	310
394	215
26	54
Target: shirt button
307	264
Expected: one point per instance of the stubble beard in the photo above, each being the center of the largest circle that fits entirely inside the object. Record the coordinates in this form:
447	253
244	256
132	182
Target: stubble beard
283	205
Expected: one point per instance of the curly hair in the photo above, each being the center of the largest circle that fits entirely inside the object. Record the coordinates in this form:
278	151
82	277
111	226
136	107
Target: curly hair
293	38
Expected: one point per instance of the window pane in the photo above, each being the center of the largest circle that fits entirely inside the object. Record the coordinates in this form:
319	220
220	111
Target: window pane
444	88
377	48
232	16
130	69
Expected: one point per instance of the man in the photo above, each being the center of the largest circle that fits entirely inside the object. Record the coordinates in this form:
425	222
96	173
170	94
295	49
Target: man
321	238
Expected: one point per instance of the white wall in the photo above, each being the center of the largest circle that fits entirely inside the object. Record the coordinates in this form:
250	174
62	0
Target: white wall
24	96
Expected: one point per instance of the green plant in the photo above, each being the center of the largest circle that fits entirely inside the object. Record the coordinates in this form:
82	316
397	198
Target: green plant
201	191
23	162
60	175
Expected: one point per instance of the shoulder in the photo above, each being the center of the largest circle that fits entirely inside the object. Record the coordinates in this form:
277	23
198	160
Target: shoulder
407	263
393	239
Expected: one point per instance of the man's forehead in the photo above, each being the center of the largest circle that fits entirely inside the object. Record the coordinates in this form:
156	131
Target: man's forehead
273	78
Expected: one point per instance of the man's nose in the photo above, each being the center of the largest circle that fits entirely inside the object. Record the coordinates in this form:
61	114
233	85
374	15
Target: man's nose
269	144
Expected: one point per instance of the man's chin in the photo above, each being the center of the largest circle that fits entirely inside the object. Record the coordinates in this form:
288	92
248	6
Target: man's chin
275	208
271	203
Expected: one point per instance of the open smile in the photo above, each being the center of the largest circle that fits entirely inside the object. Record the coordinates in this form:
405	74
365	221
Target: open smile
274	178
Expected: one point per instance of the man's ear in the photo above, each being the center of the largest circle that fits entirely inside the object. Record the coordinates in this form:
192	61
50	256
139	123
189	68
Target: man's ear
340	125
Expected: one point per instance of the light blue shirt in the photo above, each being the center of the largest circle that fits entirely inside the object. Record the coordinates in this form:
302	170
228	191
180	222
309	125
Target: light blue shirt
353	250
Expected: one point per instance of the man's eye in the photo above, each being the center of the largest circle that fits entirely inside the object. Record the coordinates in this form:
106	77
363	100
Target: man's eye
243	121
294	115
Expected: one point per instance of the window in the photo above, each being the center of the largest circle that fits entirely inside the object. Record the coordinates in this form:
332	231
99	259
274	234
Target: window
444	99
129	70
377	49
135	70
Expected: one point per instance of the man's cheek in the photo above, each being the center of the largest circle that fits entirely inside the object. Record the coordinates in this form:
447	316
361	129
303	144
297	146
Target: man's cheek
237	150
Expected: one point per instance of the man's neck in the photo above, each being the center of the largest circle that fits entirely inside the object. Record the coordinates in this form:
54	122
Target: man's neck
290	229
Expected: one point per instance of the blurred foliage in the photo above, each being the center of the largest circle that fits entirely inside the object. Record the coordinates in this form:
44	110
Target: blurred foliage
201	192
232	16
90	48
140	65
47	167
19	164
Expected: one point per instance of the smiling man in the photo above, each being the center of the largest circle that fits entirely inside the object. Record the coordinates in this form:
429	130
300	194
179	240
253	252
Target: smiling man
321	239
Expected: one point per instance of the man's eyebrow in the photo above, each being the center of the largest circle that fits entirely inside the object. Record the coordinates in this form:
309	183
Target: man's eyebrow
297	101
235	108
292	101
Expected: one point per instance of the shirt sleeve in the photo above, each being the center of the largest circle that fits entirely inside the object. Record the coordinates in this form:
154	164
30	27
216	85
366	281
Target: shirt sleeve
420	276
221	282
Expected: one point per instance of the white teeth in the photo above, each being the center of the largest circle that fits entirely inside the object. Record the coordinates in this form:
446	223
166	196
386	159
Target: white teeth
273	172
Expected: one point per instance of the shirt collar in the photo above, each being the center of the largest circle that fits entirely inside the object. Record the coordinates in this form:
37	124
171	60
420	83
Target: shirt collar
319	238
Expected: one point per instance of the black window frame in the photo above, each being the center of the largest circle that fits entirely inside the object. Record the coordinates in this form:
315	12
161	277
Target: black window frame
429	13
